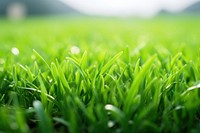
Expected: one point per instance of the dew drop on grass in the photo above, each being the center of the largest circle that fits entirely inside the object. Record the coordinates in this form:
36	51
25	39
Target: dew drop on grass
15	51
75	50
30	107
51	80
111	124
109	107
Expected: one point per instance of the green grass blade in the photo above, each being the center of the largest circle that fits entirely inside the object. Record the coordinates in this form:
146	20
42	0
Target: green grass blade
45	124
132	92
41	58
110	62
62	121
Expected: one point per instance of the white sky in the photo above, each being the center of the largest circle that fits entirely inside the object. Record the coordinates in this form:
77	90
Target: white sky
143	8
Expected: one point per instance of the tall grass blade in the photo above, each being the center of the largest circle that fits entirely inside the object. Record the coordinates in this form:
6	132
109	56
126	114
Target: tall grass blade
45	124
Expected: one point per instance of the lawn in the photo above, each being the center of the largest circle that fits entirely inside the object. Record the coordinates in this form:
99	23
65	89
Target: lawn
95	75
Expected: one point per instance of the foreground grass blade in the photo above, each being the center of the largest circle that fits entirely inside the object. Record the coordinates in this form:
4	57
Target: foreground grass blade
41	58
132	92
45	124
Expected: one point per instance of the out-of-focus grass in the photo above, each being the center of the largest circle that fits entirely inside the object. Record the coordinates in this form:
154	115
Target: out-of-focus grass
100	75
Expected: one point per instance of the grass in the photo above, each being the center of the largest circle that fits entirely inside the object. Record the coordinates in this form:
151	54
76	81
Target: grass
129	75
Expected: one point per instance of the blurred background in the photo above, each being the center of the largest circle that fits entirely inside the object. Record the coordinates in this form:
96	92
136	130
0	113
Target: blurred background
54	27
18	9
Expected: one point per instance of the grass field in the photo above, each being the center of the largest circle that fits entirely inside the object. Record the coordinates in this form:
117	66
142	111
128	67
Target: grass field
82	75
